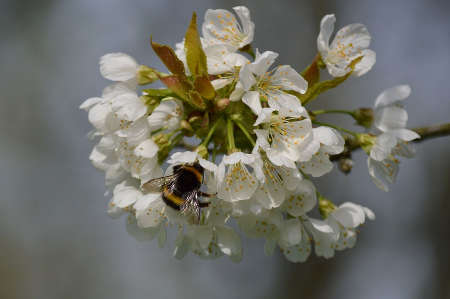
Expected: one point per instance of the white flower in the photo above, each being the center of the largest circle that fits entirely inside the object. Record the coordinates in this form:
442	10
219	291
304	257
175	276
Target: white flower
221	27
224	63
118	67
221	60
275	181
104	157
298	248
127	106
211	239
235	182
350	42
345	219
288	137
301	200
324	236
167	115
150	210
390	120
126	194
331	143
257	82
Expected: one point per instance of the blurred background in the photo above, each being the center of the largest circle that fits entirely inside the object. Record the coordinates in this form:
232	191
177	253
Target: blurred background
56	238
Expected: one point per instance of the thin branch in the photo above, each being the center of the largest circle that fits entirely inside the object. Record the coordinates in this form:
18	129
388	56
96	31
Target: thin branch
433	131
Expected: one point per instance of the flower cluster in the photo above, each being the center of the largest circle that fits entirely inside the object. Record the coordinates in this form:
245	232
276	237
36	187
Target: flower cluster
256	142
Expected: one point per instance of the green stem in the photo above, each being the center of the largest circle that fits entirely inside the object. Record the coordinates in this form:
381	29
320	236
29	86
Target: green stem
230	135
336	127
318	112
246	133
211	132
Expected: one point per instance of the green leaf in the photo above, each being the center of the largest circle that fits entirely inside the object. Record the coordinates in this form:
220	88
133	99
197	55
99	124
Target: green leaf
147	75
196	100
204	87
196	61
195	56
178	85
312	72
158	92
320	87
169	58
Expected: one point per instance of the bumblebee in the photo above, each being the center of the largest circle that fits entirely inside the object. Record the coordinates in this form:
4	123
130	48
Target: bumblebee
181	190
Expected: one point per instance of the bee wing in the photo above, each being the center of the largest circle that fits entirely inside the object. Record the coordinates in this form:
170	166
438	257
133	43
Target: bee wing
157	184
191	206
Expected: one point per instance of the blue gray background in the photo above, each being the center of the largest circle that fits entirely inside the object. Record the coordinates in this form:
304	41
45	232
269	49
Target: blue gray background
58	242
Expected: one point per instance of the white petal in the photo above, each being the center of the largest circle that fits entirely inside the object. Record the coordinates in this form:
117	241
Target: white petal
150	210
220	83
382	172
247	25
238	184
349	215
125	195
228	241
118	67
281	100
183	157
391	118
140	234
369	213
300	252
326	29
302	200
202	234
355	35
405	134
113	210
332	141
251	99
146	149
89	103
128	106
366	63
321	226
237	93
221	27
383	146
246	77
404	149
98	116
289	79
237	157
264	116
263	62
290	233
208	165
392	95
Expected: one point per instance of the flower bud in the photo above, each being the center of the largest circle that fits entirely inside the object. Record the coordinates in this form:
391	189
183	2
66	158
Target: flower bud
366	141
161	139
345	165
363	117
325	207
202	151
146	75
184	124
222	104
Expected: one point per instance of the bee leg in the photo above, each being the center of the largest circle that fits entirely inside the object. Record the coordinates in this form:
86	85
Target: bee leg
203	194
203	204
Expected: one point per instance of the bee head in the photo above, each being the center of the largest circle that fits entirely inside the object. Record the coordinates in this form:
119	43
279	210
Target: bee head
197	166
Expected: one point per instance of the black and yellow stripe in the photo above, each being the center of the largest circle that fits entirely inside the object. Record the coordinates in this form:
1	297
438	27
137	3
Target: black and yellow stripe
171	199
194	171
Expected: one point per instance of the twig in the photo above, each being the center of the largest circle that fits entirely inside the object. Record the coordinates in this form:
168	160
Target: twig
433	131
